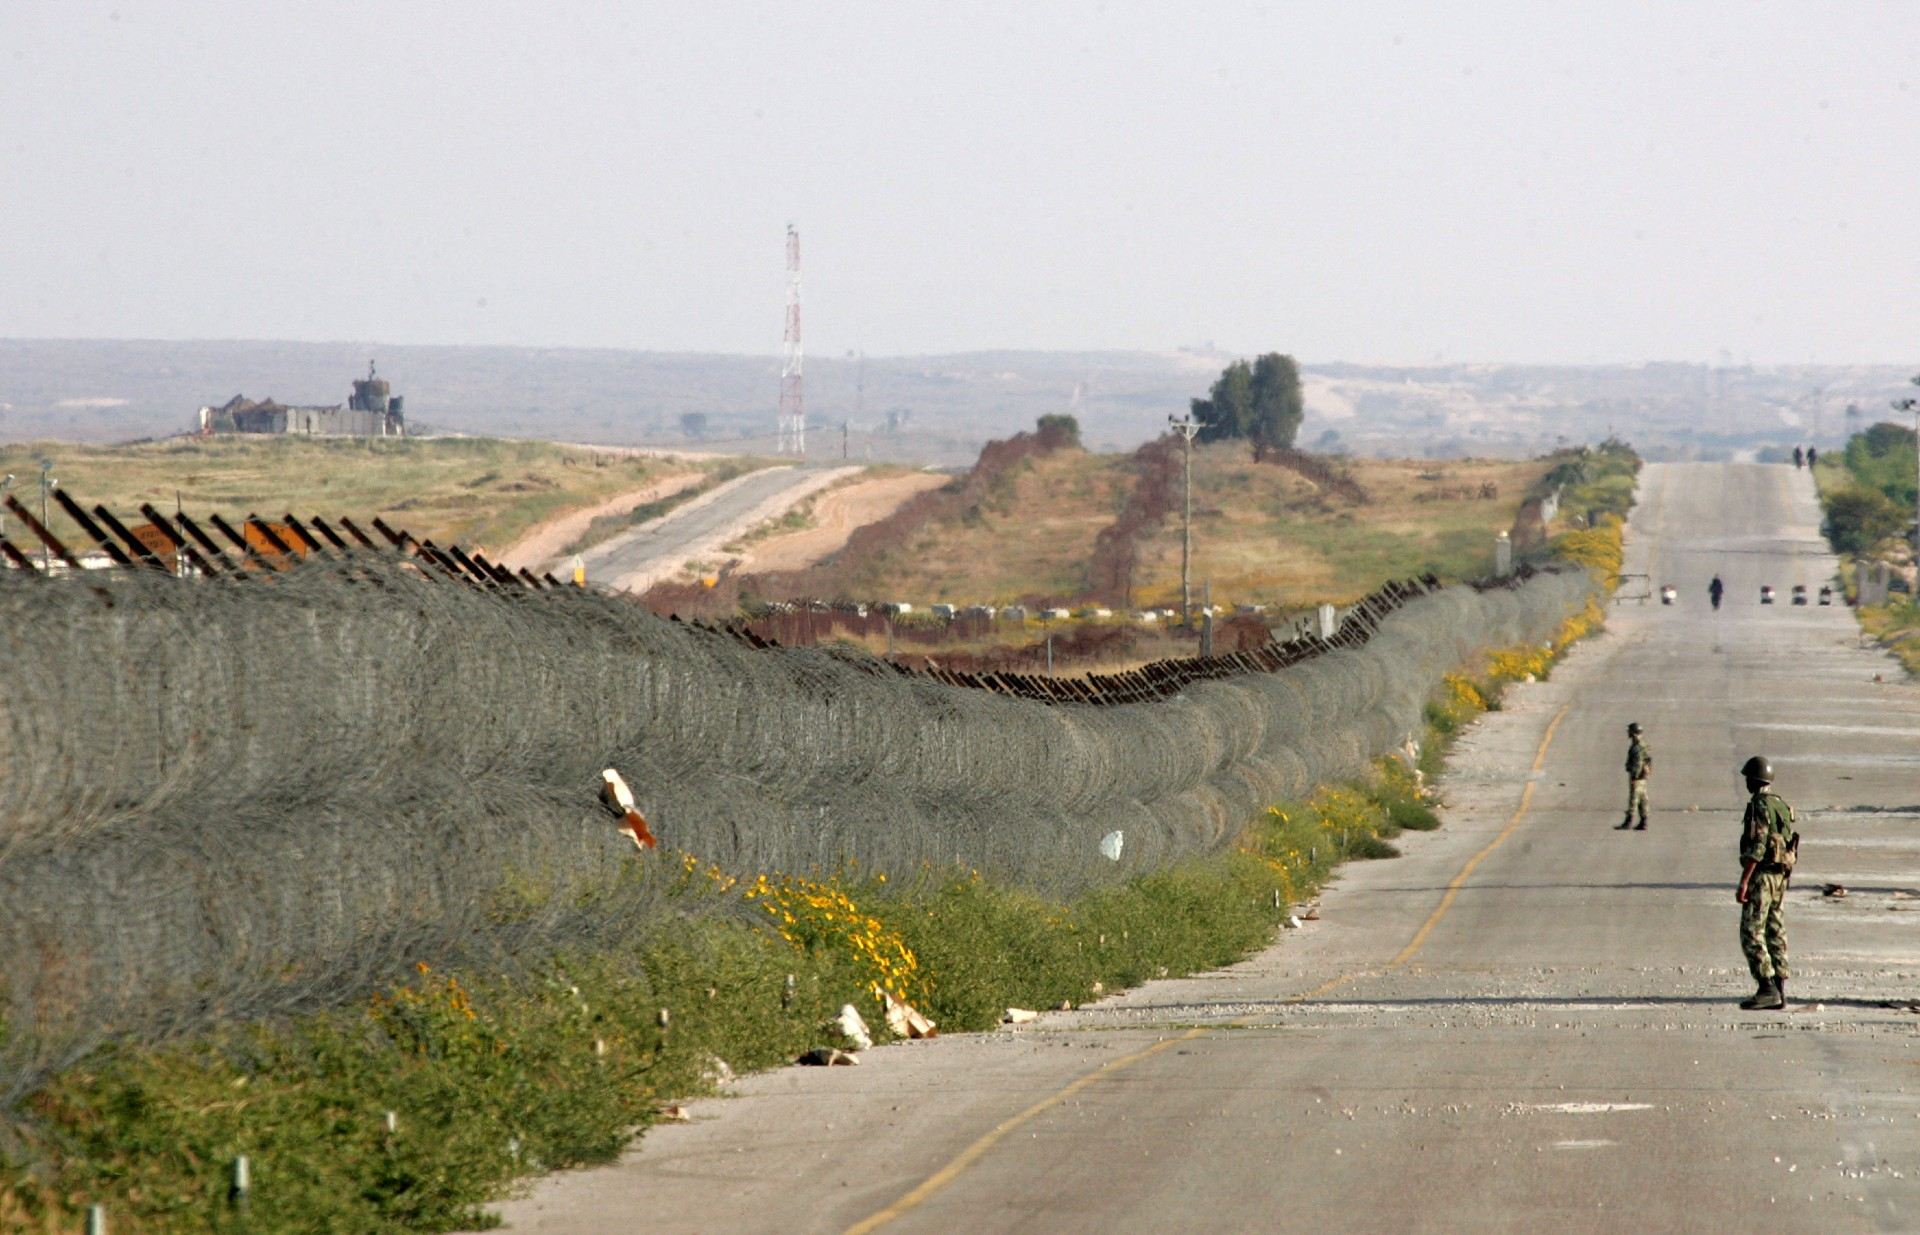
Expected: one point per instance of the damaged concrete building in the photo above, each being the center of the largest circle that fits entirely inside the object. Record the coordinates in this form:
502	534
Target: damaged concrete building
373	411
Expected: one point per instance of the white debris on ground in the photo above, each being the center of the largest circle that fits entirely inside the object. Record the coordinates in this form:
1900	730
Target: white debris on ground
852	1029
904	1020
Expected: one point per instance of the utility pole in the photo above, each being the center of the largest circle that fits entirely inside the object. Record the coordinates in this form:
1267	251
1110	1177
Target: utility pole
47	482
4	486
793	418
1186	428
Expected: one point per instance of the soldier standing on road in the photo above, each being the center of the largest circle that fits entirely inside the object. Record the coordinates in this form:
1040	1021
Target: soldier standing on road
1639	764
1715	590
1768	849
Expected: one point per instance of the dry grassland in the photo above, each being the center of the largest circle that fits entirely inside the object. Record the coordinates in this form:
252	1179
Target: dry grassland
1029	539
479	492
1262	534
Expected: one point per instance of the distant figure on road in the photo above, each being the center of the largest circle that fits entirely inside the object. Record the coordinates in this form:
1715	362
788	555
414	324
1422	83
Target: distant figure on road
1768	849
1798	458
1715	590
1639	764
1813	456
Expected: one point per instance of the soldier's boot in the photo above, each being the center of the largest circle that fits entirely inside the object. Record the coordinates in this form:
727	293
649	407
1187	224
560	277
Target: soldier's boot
1643	824
1624	824
1780	989
1764	999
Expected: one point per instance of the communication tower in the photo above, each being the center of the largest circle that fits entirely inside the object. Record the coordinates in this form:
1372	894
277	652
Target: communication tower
793	417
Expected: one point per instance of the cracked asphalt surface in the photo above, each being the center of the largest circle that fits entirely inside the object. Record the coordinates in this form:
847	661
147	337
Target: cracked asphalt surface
1561	1051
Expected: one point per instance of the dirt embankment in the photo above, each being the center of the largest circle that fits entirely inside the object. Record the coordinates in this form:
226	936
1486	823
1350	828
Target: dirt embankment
544	542
838	575
1110	572
837	514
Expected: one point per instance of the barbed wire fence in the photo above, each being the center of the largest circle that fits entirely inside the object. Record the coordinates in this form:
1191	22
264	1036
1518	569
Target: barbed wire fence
263	792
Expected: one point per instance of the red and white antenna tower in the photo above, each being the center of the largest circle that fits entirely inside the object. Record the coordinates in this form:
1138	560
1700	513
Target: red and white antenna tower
793	418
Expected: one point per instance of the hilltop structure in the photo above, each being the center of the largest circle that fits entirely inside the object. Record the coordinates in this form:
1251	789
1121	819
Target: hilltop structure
373	411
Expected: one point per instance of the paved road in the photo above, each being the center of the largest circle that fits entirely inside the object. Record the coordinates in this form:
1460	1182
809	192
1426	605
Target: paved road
1526	1024
635	560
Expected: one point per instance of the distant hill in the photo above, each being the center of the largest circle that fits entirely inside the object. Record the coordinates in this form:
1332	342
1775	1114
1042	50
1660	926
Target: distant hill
929	409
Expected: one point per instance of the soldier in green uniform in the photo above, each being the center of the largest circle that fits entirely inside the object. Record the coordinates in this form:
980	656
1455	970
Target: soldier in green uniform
1768	849
1639	764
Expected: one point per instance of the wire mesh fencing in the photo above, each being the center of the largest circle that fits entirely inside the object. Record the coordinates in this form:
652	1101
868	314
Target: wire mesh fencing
251	794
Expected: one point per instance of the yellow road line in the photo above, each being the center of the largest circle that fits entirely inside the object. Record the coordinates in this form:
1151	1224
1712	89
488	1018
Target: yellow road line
972	1153
948	1173
1453	889
1653	536
1793	543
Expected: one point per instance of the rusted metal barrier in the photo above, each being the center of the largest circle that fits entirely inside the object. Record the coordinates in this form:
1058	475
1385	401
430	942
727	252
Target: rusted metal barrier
1157	680
281	546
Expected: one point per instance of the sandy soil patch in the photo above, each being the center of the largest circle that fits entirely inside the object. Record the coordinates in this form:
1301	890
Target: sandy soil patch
545	541
836	516
669	453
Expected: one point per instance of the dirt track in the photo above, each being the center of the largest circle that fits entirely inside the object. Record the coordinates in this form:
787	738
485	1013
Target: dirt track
637	559
836	516
544	542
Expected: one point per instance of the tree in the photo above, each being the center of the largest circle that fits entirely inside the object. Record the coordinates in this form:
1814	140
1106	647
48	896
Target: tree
1885	438
1259	402
1859	519
1278	406
1058	430
1882	458
1225	413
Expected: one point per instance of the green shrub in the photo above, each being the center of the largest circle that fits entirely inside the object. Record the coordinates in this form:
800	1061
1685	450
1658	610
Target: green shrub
1368	848
1858	519
1882	459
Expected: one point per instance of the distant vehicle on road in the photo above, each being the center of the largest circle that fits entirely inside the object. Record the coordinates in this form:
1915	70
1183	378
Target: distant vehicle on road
1799	593
1766	593
1668	593
1826	595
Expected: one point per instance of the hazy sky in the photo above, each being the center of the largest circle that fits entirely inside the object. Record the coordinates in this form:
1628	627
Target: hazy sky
1480	181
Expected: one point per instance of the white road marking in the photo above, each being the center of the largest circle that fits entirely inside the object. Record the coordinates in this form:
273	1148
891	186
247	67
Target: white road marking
1785	727
1583	1144
1590	1108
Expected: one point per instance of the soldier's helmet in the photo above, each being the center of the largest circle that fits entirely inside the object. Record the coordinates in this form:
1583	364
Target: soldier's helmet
1633	726
1757	768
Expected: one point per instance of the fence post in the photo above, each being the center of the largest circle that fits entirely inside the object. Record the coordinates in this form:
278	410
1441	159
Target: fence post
242	1181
